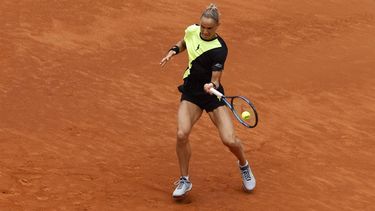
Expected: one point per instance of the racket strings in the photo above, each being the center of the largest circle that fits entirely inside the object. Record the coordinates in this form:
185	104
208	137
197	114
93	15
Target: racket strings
244	110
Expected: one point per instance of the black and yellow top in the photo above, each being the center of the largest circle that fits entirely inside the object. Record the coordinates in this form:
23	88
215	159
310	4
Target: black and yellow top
205	56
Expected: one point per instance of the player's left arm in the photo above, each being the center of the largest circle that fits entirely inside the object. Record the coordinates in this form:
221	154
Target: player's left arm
215	81
217	70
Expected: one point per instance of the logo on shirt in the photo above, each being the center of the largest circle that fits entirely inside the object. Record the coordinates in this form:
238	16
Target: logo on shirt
218	66
197	47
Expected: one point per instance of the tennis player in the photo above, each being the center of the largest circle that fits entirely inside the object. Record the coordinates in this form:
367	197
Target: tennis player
207	53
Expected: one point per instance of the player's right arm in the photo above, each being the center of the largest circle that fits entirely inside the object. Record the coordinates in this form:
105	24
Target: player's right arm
179	47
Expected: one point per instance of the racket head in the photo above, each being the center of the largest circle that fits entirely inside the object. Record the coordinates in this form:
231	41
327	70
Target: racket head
244	111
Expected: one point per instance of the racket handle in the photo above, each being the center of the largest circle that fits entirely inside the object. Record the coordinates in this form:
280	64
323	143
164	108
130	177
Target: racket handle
215	92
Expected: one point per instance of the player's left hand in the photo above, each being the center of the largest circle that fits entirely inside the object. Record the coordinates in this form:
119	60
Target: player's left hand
207	87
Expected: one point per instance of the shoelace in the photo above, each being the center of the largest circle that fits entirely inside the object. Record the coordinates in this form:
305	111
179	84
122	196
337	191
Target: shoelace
246	174
180	183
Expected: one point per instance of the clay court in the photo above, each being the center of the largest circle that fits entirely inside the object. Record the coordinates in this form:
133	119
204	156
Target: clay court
88	117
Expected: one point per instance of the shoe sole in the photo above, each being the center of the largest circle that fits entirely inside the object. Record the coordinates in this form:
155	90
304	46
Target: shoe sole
178	198
247	190
184	195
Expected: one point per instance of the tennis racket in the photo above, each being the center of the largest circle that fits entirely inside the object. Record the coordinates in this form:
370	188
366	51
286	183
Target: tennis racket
241	107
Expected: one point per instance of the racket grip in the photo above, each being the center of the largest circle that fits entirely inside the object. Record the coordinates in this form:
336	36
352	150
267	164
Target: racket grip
215	92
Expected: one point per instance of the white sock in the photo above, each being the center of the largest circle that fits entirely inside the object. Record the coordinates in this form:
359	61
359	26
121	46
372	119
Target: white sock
186	177
247	163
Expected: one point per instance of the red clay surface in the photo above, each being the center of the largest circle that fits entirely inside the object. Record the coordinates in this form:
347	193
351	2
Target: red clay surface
88	118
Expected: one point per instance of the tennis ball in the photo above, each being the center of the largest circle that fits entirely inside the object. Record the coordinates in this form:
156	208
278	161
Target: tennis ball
245	115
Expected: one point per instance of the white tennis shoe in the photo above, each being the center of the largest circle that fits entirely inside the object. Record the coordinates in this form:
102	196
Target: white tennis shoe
183	186
248	178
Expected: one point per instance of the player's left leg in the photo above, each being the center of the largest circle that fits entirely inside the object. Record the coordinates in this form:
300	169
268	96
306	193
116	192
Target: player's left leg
222	120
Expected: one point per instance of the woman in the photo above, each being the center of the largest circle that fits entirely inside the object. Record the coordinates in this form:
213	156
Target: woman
207	54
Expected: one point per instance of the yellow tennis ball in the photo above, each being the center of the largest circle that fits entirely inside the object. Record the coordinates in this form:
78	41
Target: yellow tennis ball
245	115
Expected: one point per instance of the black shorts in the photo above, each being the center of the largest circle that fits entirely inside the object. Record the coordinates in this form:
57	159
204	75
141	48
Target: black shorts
206	102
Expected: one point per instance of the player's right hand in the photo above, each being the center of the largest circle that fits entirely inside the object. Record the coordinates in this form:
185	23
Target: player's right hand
164	61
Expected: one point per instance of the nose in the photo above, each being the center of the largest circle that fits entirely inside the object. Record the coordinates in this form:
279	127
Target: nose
205	32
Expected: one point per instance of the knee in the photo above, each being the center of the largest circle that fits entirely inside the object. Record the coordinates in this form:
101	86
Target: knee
231	141
182	137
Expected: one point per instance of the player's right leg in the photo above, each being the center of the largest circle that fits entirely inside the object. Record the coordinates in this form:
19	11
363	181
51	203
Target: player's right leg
188	115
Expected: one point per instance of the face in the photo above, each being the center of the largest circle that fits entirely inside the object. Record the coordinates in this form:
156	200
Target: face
208	28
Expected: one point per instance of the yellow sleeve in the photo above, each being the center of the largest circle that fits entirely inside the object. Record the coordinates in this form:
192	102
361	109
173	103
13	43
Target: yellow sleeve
190	30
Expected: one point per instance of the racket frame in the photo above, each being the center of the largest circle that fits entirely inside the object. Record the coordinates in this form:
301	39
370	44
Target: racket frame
231	107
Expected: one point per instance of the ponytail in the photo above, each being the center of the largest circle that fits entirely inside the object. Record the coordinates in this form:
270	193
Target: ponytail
211	12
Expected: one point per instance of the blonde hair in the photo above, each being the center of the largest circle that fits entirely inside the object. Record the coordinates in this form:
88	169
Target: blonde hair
211	12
